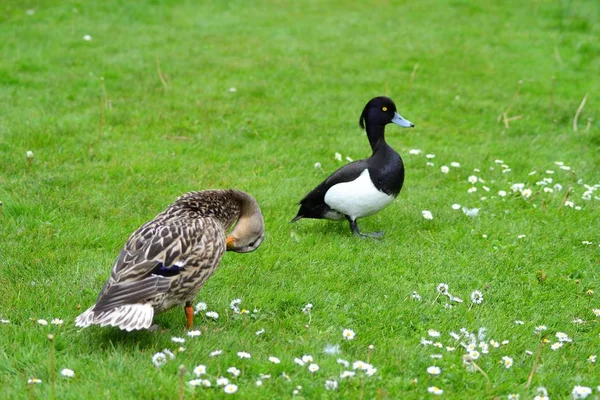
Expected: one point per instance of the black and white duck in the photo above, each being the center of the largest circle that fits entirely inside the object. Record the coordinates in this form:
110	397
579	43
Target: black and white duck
363	187
167	260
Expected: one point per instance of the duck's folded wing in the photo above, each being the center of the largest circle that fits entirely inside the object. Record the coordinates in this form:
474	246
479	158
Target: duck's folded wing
347	173
149	260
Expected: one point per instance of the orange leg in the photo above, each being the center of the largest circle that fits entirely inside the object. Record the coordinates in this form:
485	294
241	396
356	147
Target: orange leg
189	316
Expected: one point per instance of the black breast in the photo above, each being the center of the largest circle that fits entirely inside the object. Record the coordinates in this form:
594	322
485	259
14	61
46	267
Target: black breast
387	170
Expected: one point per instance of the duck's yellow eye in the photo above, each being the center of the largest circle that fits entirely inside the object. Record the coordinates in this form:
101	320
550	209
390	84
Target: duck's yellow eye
384	108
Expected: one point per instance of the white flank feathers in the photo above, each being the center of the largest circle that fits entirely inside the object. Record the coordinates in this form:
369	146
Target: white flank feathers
358	198
128	317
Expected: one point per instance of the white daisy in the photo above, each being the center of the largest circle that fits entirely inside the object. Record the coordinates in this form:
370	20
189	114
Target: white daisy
433	370
581	392
313	368
472	189
430	156
596	311
212	314
456	206
299	362
444	169
563	337
540	328
317	165
259	332
307	358
331	384
442	288
87	38
519	322
194	333
42	322
274	360
513	396
307	308
200	307
455	164
67	373
472	179
477	297
159	359
258	383
56	321
178	339
348	334
195	382
34	381
215	353
243	354
230	388
234	371
435	390
507	362
592	358
200	370
415	151
338	157
222	381
416	296
556	346
343	362
427	214
433	333
347	374
502	193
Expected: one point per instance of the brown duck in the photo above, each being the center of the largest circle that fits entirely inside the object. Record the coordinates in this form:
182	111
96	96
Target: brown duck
167	260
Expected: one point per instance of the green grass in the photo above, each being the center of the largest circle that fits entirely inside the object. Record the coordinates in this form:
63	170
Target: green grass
107	160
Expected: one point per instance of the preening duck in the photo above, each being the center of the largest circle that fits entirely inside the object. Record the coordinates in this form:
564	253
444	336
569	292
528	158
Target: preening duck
363	187
167	260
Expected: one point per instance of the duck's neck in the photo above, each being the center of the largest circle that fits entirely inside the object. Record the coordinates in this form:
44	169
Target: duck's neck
376	135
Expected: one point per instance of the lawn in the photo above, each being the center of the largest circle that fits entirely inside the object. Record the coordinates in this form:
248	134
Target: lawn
126	105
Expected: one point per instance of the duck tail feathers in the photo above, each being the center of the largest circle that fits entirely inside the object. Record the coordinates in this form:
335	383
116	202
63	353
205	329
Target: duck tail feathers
127	317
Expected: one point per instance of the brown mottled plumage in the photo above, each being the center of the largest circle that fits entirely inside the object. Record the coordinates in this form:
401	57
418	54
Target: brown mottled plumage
167	260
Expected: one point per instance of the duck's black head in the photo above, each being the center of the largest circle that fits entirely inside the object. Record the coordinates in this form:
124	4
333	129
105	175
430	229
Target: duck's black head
381	111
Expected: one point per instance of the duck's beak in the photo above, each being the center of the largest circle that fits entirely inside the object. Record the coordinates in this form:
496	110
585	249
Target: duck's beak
229	241
399	120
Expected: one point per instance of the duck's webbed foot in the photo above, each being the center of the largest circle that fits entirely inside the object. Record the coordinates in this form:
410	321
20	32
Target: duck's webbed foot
357	232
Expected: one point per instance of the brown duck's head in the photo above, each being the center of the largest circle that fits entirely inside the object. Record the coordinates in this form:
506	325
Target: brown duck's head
249	231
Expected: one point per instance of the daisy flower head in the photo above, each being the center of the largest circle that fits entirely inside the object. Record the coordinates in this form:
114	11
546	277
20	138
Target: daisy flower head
215	353
347	374
317	166
502	193
540	328
212	314
541	394
260	332
230	388
433	370
581	392
307	358
415	151
307	308
427	215
435	390
343	362
513	396
313	368
274	360
596	311
159	359
456	206
258	383
556	346
430	156
168	353
444	169
348	334
178	339
455	164
67	373
243	354
337	156
592	359
42	322
472	179
331	384
87	38
195	382
56	321
194	333
477	297
433	333
233	371
563	337
222	381
200	307
299	362
200	370
507	362
442	288
416	296
34	381
234	305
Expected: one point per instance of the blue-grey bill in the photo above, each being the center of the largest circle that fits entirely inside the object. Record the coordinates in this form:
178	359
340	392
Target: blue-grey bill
400	120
